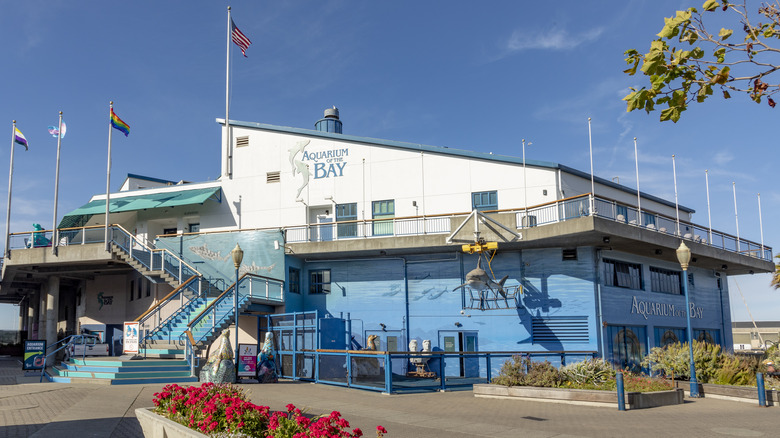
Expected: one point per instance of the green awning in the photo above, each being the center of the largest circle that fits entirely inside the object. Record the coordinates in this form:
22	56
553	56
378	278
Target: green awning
81	215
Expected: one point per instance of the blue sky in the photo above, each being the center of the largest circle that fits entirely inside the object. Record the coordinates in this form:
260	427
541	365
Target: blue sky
444	73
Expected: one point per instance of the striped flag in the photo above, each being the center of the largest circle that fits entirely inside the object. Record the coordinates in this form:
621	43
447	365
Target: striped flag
19	138
239	38
117	123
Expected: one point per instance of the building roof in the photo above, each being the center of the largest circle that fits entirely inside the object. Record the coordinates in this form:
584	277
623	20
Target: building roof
443	150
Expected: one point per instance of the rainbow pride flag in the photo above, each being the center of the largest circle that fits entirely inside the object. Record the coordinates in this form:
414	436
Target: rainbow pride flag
117	123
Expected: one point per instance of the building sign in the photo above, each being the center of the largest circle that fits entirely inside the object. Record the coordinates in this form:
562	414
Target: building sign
130	338
34	353
329	163
247	360
654	308
104	300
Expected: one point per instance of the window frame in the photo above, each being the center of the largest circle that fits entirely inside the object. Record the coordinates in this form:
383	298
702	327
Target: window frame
294	280
484	206
319	281
350	229
383	227
667	281
633	274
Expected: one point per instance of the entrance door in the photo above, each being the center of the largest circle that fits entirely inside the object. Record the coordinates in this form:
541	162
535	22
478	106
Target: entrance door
459	341
321	220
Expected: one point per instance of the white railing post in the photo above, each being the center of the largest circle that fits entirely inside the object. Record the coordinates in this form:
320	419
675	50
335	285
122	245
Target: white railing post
250	286
267	291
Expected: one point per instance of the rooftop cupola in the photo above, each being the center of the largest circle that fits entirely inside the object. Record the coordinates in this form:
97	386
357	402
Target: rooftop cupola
330	121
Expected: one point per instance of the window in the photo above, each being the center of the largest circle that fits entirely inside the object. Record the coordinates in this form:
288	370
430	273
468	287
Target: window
383	210
626	346
569	254
346	212
170	230
669	335
648	219
622	274
690	278
193	228
132	289
319	281
622	213
148	288
294	280
665	280
484	201
140	287
708	336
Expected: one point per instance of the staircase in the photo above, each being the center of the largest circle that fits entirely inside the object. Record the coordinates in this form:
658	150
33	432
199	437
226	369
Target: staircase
121	371
163	344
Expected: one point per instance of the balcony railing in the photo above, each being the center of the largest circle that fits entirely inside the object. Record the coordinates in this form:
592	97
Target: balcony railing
534	216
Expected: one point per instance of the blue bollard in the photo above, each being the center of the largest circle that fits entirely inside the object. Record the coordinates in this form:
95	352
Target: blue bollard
621	394
761	390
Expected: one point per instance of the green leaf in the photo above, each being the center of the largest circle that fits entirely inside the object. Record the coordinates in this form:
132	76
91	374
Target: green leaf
722	77
672	25
672	114
720	54
710	5
704	91
726	94
725	33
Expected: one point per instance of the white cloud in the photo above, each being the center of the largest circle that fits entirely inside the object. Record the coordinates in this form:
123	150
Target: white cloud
722	158
555	38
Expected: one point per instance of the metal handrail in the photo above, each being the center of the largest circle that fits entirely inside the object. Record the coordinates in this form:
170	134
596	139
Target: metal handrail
71	341
164	300
153	250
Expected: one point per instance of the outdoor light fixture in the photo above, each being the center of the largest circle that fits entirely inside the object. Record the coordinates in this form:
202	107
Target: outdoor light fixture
684	257
658	252
238	257
605	239
724	267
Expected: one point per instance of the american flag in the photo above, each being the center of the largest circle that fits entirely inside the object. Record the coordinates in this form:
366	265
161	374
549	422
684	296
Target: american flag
239	38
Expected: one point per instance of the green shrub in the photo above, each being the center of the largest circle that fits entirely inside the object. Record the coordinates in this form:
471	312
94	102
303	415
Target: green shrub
543	374
588	372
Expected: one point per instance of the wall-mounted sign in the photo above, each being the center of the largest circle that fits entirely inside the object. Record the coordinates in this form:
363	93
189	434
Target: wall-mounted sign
34	353
104	300
130	338
654	308
329	163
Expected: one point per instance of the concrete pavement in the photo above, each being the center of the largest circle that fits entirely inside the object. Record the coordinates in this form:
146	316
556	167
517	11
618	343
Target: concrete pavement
30	409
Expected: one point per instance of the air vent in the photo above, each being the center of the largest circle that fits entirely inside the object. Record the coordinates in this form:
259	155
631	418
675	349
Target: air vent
569	254
272	177
242	141
564	329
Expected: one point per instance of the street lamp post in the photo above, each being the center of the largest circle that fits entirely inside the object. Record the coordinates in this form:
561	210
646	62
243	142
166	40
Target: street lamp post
684	257
238	257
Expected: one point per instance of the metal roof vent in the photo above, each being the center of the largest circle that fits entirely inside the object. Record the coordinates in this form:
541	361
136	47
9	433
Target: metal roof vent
330	122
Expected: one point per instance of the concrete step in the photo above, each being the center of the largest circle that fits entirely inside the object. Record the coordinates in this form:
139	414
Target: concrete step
121	370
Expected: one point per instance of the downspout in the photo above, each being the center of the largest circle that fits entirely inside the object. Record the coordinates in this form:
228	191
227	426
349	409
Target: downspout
598	295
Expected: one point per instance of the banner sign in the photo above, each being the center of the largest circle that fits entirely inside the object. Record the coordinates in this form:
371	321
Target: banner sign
130	338
247	360
34	353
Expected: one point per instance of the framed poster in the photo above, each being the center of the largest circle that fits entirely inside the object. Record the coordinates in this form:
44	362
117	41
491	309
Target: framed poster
247	360
34	353
130	338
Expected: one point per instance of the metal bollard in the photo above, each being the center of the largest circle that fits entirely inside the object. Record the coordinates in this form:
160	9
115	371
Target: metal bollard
621	394
761	390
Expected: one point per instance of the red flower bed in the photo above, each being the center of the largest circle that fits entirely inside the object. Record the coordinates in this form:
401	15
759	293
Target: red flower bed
213	409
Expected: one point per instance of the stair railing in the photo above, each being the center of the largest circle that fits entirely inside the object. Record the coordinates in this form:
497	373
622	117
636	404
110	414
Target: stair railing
152	258
249	286
168	308
67	342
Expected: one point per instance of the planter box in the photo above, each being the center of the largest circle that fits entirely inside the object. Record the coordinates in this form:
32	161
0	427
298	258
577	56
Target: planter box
746	394
157	426
634	400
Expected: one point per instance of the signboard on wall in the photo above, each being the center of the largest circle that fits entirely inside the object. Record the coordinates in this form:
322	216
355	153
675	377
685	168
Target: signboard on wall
34	353
247	360
130	338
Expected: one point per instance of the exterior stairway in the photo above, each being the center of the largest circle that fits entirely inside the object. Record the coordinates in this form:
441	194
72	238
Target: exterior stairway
121	371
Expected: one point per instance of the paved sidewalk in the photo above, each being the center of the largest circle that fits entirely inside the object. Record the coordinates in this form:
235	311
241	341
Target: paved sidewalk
29	409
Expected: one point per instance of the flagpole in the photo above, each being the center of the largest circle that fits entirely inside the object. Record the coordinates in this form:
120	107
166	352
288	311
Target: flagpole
56	188
761	226
638	198
709	214
592	185
8	205
676	206
736	215
108	172
228	154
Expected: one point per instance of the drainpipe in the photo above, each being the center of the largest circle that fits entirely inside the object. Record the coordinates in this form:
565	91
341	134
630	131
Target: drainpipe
597	279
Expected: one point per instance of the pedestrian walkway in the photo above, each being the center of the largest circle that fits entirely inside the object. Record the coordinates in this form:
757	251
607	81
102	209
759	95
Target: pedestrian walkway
54	410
